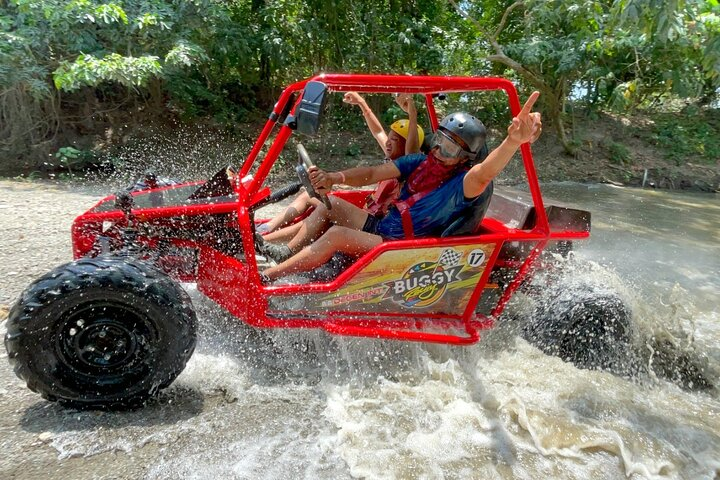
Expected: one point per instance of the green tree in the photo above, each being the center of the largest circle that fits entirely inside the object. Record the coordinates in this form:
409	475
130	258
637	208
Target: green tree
543	42
61	60
676	46
623	51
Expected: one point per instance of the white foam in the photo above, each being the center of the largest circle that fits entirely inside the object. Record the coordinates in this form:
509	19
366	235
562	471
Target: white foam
534	414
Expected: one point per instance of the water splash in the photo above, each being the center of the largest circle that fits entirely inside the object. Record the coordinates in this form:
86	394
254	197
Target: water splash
655	340
183	153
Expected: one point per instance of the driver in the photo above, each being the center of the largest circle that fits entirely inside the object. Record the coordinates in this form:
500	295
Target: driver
438	187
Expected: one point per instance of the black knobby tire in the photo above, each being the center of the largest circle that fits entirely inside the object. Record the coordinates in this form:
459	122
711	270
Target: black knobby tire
590	328
106	332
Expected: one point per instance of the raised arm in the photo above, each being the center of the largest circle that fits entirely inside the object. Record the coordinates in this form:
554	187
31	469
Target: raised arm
412	144
376	128
526	127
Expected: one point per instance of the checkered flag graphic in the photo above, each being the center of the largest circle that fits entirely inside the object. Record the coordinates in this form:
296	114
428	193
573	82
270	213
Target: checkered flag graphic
449	257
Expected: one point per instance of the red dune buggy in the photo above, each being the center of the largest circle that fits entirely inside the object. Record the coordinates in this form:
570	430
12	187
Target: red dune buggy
113	327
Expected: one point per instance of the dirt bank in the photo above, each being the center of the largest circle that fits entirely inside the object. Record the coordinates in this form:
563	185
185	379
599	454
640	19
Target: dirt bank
666	151
626	151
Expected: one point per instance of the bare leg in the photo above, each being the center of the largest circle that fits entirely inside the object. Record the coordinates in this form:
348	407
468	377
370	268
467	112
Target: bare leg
343	213
298	206
283	234
336	239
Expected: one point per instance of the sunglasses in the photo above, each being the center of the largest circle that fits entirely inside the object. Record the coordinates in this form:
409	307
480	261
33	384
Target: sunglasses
447	147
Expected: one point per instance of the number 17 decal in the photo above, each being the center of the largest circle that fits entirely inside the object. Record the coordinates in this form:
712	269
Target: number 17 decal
476	258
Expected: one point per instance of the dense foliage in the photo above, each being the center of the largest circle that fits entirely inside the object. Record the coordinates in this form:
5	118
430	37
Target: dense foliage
62	62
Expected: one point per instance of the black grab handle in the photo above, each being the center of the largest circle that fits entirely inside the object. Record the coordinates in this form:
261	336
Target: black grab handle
279	195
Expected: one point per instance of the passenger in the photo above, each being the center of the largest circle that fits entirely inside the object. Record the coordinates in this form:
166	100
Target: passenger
405	138
438	187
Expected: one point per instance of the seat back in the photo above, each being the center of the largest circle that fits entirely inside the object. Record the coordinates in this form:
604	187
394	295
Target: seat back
471	217
514	210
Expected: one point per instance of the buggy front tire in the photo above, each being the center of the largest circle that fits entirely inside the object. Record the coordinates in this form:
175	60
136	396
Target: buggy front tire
106	332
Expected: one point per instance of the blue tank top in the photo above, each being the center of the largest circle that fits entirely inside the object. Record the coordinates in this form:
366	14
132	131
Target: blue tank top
433	212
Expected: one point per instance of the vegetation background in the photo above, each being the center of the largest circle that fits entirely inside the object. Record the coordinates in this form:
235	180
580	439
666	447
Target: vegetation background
629	87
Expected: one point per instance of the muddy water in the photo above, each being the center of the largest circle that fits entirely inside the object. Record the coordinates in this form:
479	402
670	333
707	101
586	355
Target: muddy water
304	405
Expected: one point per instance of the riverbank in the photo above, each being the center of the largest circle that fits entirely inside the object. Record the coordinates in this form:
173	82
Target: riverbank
665	151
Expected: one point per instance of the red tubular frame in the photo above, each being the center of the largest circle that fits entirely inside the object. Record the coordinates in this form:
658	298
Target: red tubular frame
269	125
425	85
236	284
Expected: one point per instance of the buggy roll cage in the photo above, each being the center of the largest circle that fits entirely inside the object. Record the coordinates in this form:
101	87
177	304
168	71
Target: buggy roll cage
423	85
393	325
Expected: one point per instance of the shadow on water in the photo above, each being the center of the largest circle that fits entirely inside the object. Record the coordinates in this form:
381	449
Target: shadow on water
646	359
685	368
172	405
503	446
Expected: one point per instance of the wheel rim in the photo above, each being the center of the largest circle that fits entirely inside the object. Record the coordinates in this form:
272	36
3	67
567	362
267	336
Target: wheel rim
104	338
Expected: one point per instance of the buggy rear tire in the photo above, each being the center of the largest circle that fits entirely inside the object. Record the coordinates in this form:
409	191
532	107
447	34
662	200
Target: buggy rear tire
589	327
106	332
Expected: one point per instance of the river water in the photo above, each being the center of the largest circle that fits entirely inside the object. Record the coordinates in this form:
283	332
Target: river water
266	405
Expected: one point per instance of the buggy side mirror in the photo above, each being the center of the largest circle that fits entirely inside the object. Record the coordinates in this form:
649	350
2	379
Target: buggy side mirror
308	114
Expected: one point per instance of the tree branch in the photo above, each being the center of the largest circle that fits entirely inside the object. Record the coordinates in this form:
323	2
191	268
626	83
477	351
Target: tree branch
530	76
500	56
472	20
505	16
552	97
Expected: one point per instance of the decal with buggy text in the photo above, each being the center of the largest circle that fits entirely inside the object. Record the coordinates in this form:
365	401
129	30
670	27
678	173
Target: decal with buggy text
429	280
425	283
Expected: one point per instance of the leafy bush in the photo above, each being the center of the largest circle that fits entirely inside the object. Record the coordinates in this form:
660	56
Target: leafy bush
87	70
619	153
74	159
691	137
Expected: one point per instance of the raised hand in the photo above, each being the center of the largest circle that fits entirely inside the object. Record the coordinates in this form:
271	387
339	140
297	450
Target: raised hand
405	100
527	126
353	98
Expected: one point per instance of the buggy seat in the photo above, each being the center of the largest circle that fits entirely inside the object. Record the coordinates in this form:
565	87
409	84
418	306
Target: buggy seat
514	209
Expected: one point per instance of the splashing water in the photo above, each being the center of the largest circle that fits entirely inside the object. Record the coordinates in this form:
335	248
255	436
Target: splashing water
299	404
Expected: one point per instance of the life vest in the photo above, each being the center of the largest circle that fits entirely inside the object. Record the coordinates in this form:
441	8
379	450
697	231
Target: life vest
379	202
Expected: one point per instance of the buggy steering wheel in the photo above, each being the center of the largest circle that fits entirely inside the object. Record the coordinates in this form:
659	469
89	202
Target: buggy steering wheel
302	169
